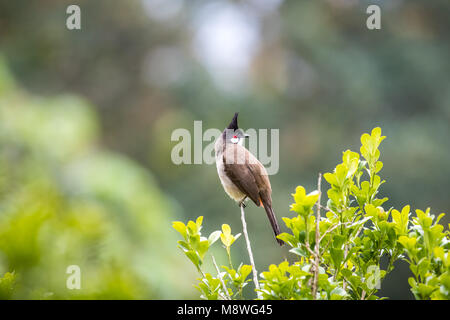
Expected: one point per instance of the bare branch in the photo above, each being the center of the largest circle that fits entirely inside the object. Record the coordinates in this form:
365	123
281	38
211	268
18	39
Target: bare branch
344	283
227	296
249	249
316	247
332	228
324	207
310	251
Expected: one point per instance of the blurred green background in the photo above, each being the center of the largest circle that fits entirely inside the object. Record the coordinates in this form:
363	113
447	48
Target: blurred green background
86	118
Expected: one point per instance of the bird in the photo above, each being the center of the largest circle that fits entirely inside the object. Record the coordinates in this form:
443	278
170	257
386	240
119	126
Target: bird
242	175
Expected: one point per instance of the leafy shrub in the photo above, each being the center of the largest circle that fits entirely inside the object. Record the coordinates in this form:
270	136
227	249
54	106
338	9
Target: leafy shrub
338	255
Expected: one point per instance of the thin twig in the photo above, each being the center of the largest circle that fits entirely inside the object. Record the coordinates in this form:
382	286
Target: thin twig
332	228
359	231
310	251
249	249
227	296
324	207
344	283
307	234
325	247
316	247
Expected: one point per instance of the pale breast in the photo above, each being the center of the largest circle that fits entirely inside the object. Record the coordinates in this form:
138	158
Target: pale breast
228	185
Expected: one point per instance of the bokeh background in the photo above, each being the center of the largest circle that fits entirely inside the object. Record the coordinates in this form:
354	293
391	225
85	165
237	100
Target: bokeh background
86	118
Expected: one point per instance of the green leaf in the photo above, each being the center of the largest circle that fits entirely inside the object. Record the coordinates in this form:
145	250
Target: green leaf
330	178
288	238
423	266
439	217
245	270
371	211
355	281
338	241
198	222
232	273
214	236
192	255
370	144
425	291
378	166
184	245
202	248
300	252
192	228
304	202
424	219
226	236
341	172
338	293
408	243
299	195
180	227
351	161
337	255
346	272
412	282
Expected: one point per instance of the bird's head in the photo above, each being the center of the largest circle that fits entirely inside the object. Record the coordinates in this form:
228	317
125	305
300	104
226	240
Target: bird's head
232	133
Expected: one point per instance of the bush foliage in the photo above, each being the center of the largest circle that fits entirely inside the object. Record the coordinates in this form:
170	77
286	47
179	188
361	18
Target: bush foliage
336	256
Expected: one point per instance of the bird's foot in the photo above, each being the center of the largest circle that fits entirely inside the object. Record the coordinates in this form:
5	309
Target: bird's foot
242	204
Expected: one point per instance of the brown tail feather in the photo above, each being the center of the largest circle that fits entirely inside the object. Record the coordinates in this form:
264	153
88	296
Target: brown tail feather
273	221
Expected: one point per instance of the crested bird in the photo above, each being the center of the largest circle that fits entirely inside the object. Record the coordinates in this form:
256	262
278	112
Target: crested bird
242	175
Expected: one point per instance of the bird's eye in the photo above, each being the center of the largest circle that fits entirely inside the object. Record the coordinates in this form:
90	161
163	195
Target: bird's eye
235	139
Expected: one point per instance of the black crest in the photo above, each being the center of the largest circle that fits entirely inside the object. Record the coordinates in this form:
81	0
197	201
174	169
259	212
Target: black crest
233	124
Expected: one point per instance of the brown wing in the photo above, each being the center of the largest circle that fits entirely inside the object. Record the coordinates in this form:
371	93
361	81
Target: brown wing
262	181
245	171
244	180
